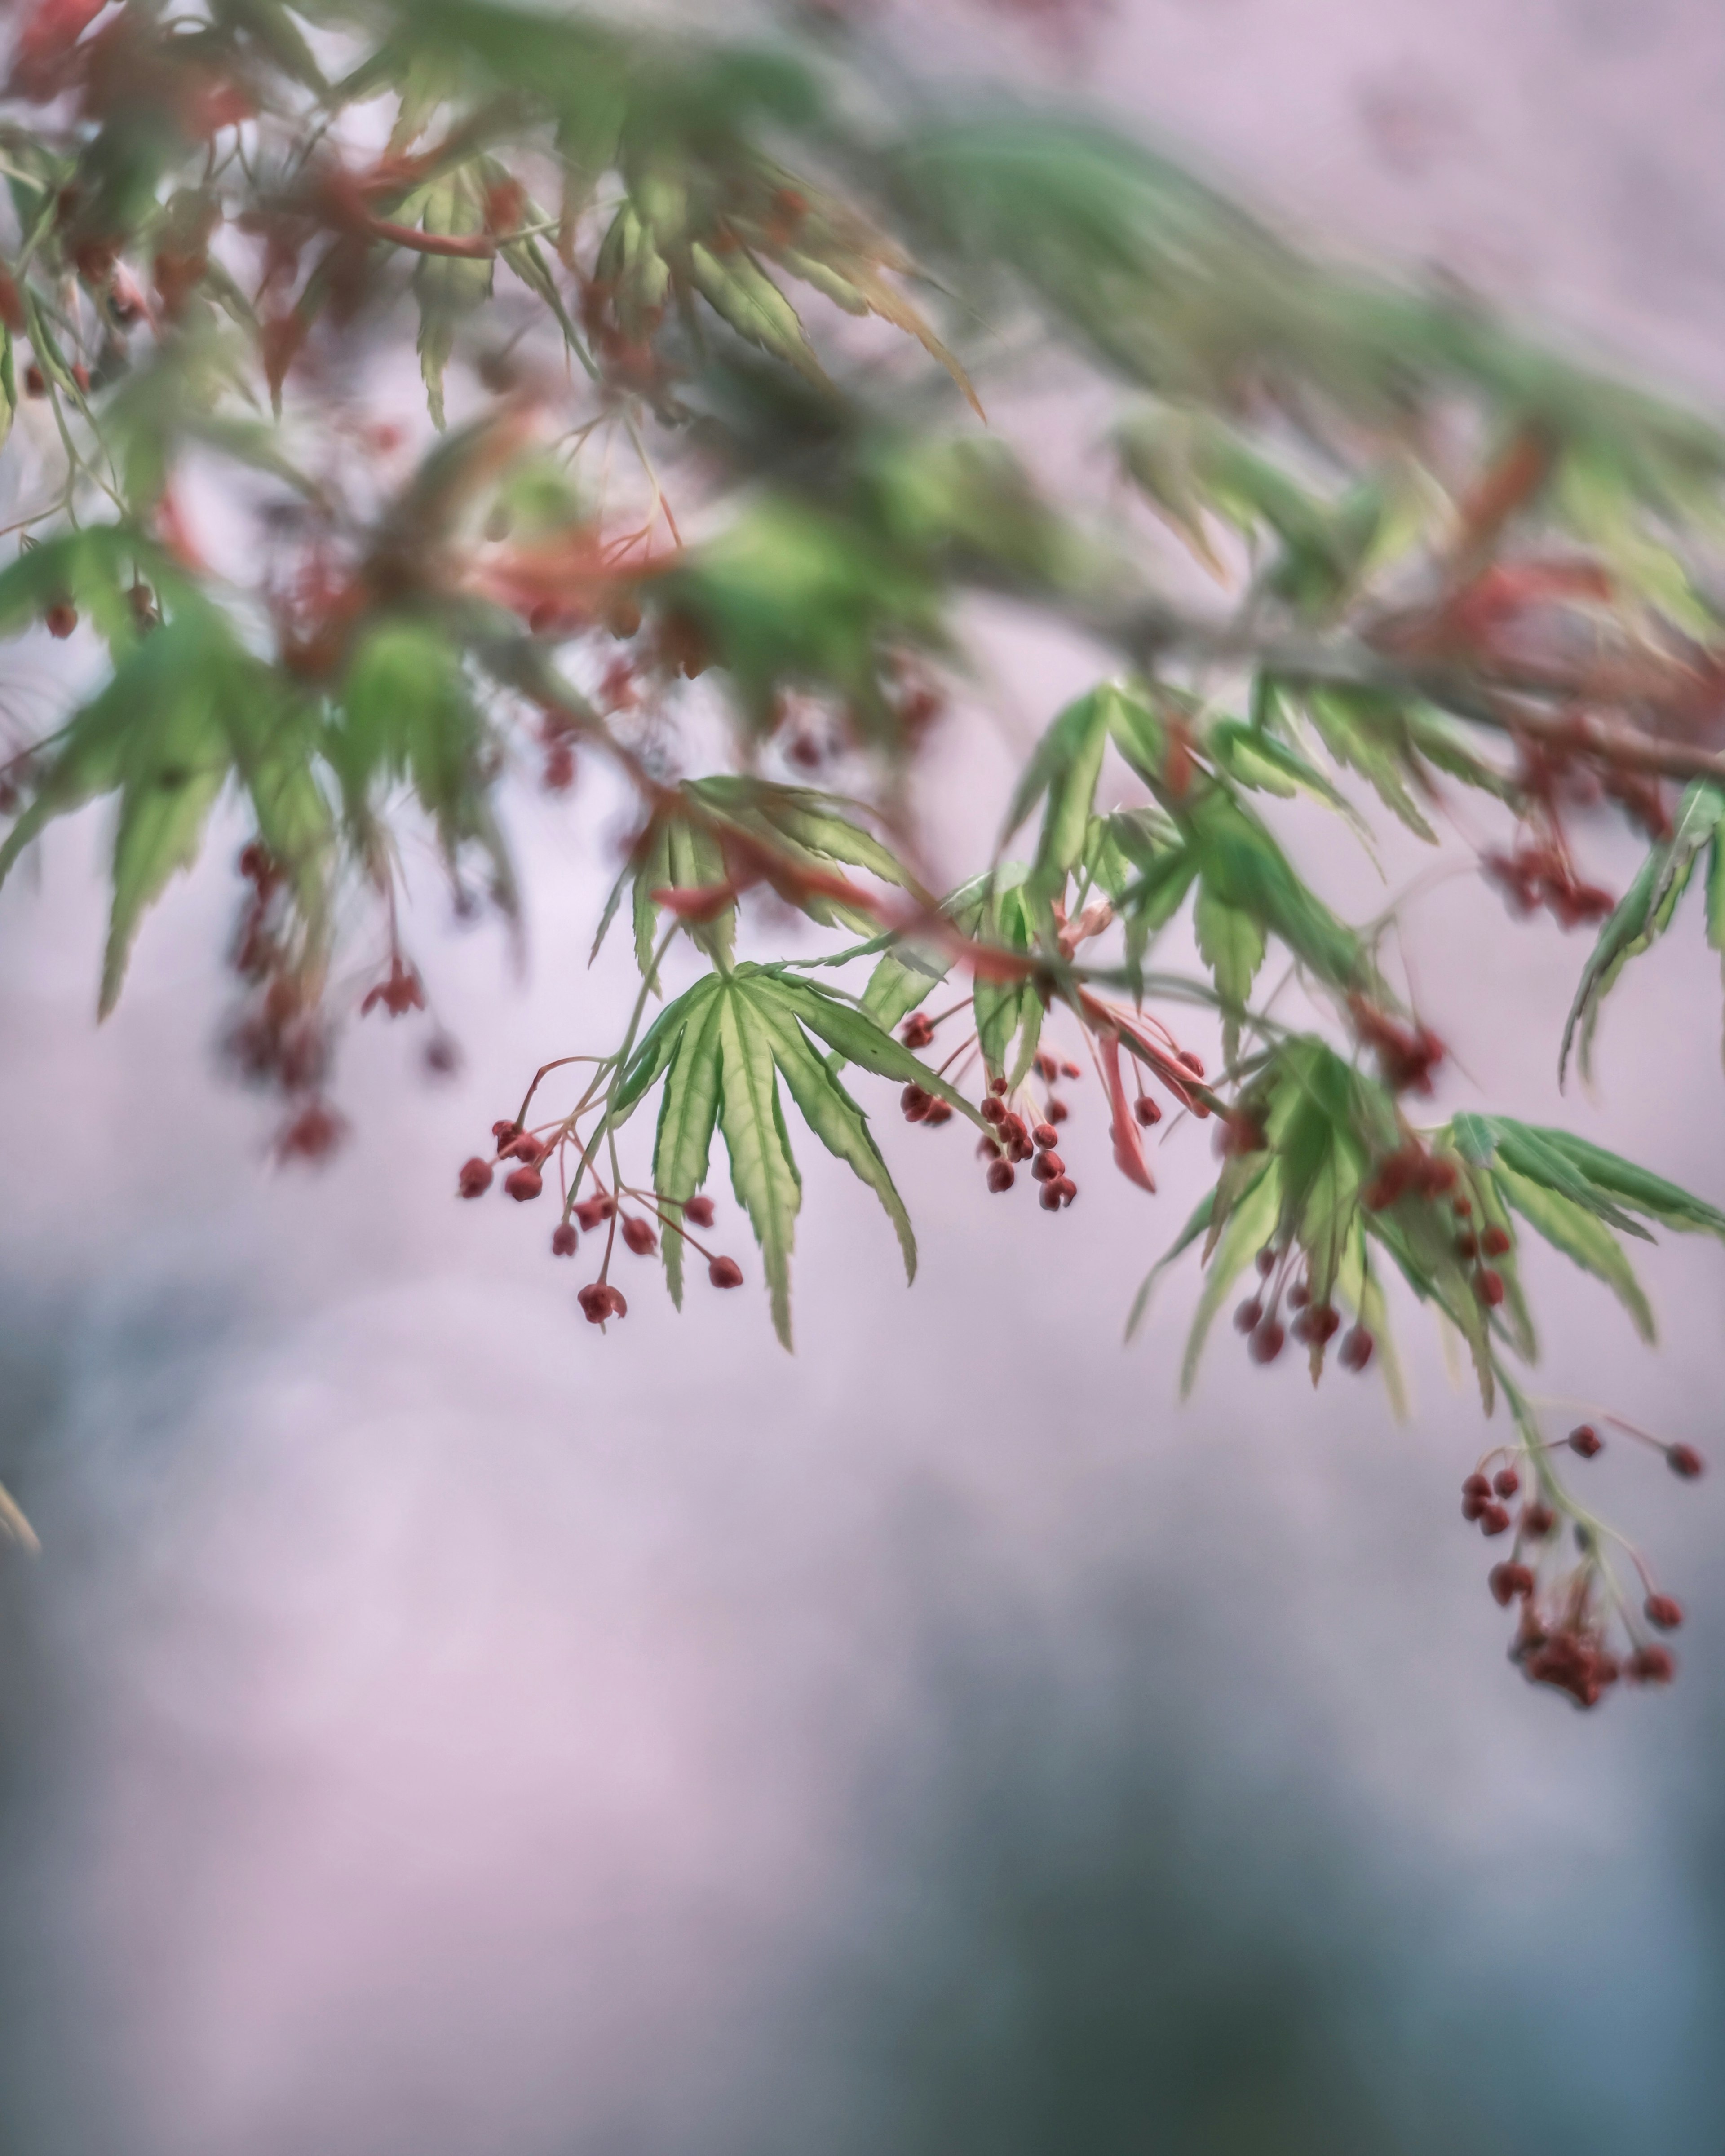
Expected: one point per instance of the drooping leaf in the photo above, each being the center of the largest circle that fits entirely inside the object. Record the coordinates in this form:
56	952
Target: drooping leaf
1643	914
1581	1237
762	1171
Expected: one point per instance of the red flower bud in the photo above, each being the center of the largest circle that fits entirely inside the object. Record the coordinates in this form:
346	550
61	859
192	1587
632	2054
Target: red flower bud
725	1272
1506	1481
591	1211
1664	1610
991	1111
1250	1315
1494	1242
474	1180
1537	1522
1494	1520
1049	1196
523	1184
563	1239
1586	1440
1489	1287
639	1235
1058	1110
1046	1136
1652	1663
1067	1188
1508	1581
1477	1485
1146	1110
1002	1176
700	1210
1684	1461
60	620
1267	1342
1356	1348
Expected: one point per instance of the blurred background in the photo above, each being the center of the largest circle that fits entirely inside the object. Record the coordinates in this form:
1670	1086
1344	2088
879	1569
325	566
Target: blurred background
430	1726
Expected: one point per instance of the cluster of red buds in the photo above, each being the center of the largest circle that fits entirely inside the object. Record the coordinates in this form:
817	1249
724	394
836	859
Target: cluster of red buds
1411	1170
1407	1054
1576	1631
1012	1140
524	1154
279	1038
1314	1325
1537	874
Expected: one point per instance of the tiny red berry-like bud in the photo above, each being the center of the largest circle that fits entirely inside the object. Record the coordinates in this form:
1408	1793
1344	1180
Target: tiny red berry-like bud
998	1086
1067	1188
1537	1522
1071	1070
1467	1245
1477	1485
1195	1064
35	381
1049	1196
1045	1136
915	1102
1266	1262
1058	1110
523	1184
1494	1521
1684	1461
1299	1294
1146	1110
1356	1348
938	1113
563	1239
1495	1241
595	1301
1463	1206
700	1210
60	620
590	1211
1322	1323
1501	1581
1586	1440
725	1272
639	1235
1040	1169
619	1308
1250	1315
991	1111
504	1132
1267	1342
474	1180
1002	1176
1489	1287
1650	1664
1506	1481
1664	1610
916	1031
1473	1508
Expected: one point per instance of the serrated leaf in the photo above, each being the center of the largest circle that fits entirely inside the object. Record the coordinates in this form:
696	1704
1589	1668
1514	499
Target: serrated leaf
828	1109
762	1172
688	1110
1203	1213
1582	1238
1364	733
739	291
1638	1187
1643	914
1231	944
448	287
1070	749
653	1052
859	1040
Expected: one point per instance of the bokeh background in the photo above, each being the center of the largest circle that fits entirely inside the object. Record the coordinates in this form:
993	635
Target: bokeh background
430	1726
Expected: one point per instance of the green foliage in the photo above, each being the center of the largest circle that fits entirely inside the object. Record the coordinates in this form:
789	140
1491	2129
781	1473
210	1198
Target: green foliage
722	429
